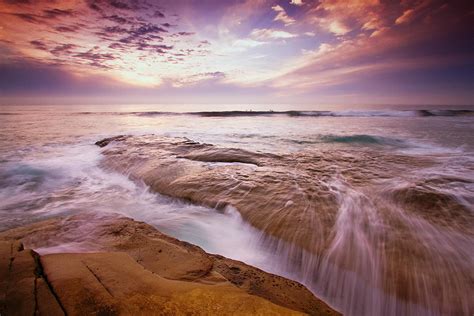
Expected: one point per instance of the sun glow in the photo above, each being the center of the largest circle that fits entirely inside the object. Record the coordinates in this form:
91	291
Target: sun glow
302	47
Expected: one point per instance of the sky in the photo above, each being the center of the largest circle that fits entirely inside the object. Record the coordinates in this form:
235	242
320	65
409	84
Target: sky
258	51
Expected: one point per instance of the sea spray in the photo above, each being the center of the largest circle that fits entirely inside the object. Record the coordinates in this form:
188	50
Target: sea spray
406	198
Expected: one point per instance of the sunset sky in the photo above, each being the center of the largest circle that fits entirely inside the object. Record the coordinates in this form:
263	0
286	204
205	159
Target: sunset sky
292	51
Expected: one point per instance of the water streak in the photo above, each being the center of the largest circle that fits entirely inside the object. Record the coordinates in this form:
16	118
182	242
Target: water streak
402	245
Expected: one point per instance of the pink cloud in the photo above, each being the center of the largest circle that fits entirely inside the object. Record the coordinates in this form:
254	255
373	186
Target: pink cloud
406	17
271	34
282	16
297	2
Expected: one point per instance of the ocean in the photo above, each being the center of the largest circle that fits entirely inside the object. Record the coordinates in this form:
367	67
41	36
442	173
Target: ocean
372	208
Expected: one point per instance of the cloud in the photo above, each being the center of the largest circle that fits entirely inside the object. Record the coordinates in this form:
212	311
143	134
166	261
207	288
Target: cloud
419	8
340	17
270	34
95	58
384	52
198	78
67	29
108	5
117	46
63	49
55	13
117	19
338	28
147	29
158	48
116	29
143	36
47	14
32	18
158	14
297	2
406	17
186	33
121	39
373	24
282	16
120	5
39	45
141	42
94	6
28	82
323	49
244	44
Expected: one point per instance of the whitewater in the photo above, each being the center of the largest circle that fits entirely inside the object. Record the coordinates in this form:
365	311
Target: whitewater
371	209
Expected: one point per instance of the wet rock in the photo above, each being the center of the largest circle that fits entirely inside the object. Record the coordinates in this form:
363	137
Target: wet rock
104	142
348	224
137	269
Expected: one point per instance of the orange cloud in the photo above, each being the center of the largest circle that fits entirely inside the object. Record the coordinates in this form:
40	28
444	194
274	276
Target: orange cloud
386	49
326	42
341	17
407	16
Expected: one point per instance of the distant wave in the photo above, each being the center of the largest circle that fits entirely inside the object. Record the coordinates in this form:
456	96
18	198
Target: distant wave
363	139
374	113
406	146
348	113
236	113
356	140
383	113
153	113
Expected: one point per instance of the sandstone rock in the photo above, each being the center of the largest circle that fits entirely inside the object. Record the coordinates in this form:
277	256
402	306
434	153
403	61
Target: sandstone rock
23	288
139	271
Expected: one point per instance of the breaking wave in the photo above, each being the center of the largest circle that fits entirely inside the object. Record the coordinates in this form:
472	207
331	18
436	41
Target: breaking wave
370	232
384	113
363	113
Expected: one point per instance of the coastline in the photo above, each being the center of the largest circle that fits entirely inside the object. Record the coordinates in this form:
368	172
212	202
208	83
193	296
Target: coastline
134	268
214	195
358	217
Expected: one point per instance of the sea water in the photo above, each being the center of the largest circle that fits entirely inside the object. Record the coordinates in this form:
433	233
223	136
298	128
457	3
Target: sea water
49	166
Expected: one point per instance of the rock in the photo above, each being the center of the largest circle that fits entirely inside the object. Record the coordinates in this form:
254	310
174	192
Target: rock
104	142
23	288
114	283
347	214
138	270
259	186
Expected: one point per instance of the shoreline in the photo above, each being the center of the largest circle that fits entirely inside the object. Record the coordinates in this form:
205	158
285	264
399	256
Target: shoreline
336	246
275	200
134	268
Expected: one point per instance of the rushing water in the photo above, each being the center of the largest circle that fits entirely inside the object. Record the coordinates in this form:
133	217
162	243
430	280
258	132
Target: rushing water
49	166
